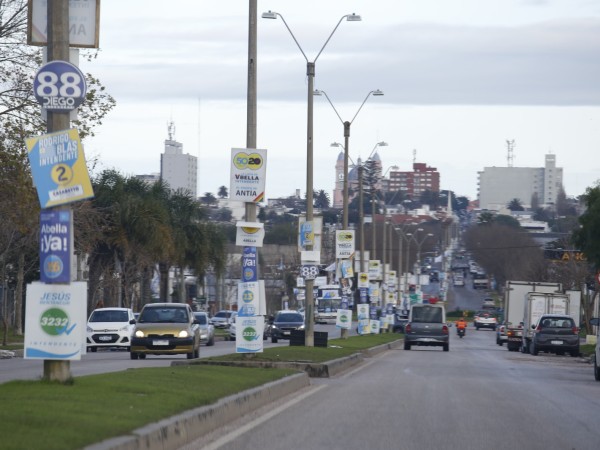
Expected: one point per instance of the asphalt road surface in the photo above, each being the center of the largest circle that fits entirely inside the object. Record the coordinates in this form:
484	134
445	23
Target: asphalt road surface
477	395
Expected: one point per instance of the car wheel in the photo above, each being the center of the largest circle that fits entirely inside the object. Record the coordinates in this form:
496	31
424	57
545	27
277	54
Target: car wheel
142	356
596	370
273	339
190	355
210	342
133	355
575	353
406	345
533	349
446	347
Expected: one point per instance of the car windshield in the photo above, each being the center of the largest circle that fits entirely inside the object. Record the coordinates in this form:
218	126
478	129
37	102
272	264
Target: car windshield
109	316
289	317
164	315
223	315
201	318
557	322
427	315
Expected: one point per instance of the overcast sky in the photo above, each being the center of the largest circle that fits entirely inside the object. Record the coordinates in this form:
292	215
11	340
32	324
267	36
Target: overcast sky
460	77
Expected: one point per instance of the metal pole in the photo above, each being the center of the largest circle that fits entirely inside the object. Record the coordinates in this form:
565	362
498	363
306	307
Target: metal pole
309	340
361	218
251	95
344	331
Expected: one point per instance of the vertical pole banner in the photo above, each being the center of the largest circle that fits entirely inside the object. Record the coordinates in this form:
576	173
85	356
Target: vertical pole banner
55	246
55	321
249	264
248	299
249	334
362	311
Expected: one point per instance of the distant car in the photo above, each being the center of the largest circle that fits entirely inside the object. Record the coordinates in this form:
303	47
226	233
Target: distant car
434	277
166	329
488	303
555	333
596	321
232	328
427	327
485	319
110	328
282	325
501	336
399	323
221	319
207	330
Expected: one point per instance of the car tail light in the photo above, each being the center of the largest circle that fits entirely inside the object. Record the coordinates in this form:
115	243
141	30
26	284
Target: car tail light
445	329
510	333
575	330
407	328
538	328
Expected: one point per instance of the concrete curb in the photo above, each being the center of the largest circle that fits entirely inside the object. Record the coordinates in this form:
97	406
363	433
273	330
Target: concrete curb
177	431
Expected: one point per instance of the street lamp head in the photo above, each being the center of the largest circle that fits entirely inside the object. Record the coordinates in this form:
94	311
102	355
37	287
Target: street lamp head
336	144
377	93
318	92
353	18
382	144
269	15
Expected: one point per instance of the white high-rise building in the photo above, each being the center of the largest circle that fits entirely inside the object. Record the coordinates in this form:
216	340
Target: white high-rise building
499	185
178	170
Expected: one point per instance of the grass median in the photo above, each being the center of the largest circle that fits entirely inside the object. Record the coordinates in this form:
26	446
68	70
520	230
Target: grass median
38	414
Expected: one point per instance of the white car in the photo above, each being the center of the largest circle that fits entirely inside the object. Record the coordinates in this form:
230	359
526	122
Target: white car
110	328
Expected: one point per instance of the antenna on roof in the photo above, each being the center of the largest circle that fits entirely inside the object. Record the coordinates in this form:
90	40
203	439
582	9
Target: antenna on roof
171	130
414	155
510	155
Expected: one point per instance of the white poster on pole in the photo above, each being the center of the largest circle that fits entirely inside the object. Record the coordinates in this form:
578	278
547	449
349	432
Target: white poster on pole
362	312
55	321
248	298
249	334
344	319
248	173
344	244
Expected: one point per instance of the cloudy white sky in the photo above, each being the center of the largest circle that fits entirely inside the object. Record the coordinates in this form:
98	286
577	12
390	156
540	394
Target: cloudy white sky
460	77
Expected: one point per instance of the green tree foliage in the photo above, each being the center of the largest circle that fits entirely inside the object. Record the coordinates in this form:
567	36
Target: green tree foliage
223	192
587	237
515	205
506	253
321	199
509	221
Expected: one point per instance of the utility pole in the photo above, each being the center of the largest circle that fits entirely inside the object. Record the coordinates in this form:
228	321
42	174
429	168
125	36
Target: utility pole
58	49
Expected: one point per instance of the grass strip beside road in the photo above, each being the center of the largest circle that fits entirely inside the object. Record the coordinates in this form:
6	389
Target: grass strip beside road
37	414
337	348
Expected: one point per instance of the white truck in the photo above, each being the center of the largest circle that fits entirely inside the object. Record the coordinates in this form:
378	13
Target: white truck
515	296
536	305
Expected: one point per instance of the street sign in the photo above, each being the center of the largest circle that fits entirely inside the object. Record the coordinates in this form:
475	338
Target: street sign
59	86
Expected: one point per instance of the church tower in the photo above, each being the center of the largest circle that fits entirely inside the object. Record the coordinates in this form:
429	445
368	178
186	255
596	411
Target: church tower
338	190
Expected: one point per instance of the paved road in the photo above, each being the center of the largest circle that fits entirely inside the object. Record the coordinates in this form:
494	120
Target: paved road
113	361
477	395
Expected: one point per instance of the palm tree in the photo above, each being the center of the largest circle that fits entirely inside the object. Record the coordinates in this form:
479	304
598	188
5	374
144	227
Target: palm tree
321	199
223	193
515	205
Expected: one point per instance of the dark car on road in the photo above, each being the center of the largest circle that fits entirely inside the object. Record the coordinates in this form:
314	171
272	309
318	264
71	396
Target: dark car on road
427	327
555	333
282	325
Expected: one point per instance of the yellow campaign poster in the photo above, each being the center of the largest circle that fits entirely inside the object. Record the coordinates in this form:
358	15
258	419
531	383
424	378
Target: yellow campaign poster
58	167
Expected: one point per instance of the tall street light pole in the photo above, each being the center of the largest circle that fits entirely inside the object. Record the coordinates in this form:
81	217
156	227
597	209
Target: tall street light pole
346	124
310	72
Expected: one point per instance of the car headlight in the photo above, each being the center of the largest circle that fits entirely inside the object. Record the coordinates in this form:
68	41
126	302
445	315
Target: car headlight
274	327
90	329
184	334
301	327
139	333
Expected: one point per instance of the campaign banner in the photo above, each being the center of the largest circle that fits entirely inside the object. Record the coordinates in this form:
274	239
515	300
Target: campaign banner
249	234
55	321
309	233
249	264
58	168
375	326
249	334
248	173
344	319
344	244
55	246
363	280
374	269
248	299
362	315
364	293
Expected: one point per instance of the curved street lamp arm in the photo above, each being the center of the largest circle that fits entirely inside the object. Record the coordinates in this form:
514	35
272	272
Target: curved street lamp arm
327	41
327	97
361	105
294	37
